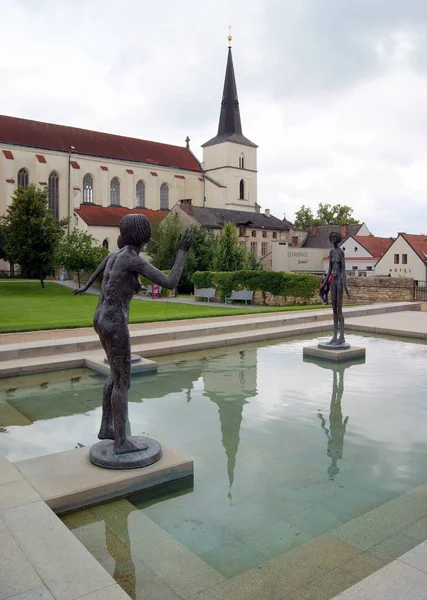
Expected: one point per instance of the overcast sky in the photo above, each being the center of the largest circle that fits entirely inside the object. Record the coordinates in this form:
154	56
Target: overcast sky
334	92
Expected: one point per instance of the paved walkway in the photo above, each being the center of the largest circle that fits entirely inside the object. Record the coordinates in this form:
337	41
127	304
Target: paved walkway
179	300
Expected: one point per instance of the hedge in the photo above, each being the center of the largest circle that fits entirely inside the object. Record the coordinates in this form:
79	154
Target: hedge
277	283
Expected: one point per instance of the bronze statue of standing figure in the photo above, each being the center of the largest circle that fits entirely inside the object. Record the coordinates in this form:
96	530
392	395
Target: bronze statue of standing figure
338	285
121	272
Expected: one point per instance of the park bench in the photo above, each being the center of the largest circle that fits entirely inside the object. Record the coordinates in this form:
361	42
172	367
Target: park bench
205	294
244	295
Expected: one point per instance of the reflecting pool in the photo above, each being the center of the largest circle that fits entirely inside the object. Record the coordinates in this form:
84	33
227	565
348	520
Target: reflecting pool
289	455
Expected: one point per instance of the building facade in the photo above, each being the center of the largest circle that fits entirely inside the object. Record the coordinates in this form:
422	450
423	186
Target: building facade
406	257
81	167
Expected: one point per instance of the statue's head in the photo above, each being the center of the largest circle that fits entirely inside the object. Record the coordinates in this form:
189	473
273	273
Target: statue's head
135	230
335	237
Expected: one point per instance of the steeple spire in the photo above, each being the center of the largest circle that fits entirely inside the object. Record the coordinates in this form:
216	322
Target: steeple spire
230	125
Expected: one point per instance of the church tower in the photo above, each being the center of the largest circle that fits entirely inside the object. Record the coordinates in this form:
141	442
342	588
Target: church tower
229	158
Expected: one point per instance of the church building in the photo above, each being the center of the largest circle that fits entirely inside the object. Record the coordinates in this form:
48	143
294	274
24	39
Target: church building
95	178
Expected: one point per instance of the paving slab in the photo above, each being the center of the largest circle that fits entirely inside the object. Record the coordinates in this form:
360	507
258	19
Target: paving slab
17	575
396	581
68	480
63	564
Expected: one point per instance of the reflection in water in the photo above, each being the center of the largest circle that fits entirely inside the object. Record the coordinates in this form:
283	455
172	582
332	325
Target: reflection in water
229	381
124	571
337	425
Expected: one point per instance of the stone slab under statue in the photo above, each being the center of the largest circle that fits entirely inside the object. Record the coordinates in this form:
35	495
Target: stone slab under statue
121	271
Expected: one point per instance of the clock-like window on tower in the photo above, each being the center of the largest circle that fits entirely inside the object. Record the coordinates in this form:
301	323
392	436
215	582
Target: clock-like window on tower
242	190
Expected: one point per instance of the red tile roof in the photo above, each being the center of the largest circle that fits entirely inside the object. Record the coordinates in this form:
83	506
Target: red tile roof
35	134
376	246
418	243
93	214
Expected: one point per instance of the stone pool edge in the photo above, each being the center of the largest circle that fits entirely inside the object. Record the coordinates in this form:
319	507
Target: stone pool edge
39	554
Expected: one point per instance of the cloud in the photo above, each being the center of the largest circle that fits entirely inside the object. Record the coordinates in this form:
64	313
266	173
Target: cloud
333	92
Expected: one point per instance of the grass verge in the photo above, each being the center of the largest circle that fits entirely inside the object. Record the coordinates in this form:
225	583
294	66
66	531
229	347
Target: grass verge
25	306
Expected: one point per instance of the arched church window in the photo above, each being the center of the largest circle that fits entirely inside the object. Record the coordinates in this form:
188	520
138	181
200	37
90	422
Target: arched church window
140	194
88	188
242	161
242	190
23	178
105	244
53	187
115	192
164	197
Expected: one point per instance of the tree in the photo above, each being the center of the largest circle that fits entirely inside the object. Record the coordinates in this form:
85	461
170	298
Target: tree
337	214
32	232
6	252
79	252
327	214
163	248
230	255
304	217
163	245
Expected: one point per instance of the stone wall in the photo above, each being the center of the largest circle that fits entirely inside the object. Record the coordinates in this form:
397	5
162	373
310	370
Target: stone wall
380	289
271	300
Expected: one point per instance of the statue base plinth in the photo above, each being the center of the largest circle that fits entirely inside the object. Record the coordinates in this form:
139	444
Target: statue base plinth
333	346
335	353
134	358
102	454
99	362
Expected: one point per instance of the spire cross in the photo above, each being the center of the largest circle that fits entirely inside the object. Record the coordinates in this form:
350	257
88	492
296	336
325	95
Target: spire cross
187	142
229	36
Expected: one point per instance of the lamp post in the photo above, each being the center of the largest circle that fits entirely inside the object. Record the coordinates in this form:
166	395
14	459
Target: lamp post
69	186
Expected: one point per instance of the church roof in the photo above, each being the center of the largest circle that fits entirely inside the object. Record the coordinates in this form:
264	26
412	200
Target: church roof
110	216
47	136
230	125
215	218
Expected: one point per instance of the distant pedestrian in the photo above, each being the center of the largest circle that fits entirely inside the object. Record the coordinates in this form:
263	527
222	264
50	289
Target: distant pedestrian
324	288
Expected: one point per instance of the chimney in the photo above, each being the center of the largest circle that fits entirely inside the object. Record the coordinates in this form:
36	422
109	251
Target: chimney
187	206
314	229
344	231
267	212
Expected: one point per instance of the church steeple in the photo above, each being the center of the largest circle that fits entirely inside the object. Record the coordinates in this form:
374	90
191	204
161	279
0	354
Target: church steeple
230	125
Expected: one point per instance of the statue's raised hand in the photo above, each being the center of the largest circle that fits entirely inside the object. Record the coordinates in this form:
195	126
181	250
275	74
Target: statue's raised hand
186	240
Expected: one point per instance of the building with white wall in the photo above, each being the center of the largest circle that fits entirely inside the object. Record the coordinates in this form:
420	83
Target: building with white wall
406	257
82	167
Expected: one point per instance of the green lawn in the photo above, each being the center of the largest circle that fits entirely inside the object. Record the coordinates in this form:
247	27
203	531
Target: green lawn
25	306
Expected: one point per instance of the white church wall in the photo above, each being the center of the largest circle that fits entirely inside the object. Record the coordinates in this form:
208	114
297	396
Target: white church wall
182	184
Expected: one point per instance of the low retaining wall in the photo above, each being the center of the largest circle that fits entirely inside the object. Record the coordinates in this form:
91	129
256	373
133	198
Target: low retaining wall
271	300
381	289
362	290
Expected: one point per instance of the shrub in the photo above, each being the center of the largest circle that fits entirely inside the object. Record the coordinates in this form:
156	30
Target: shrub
278	283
